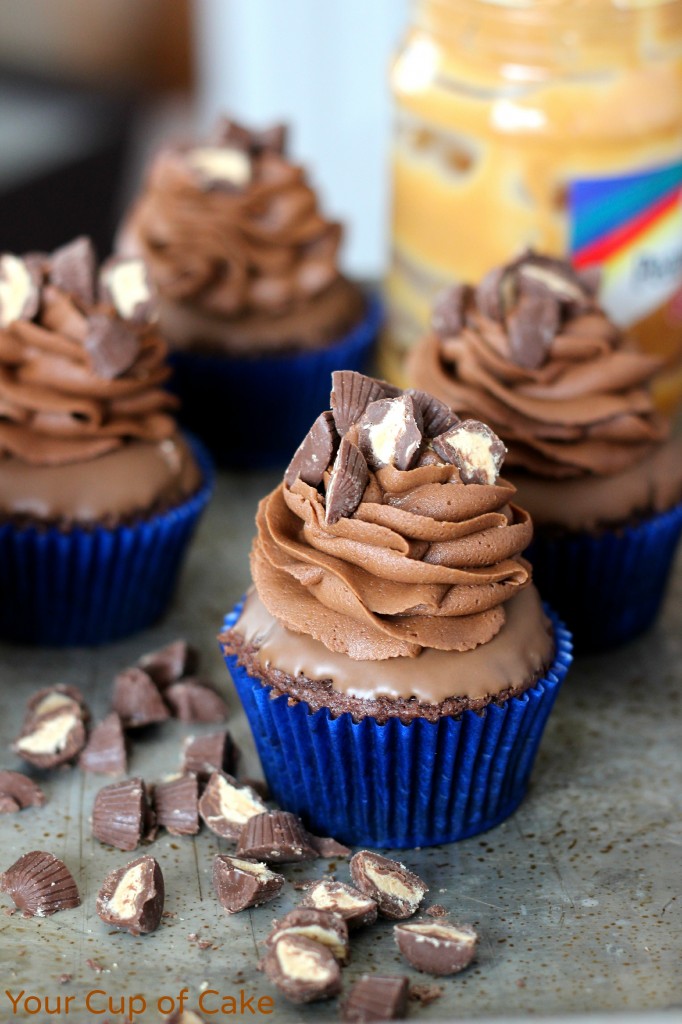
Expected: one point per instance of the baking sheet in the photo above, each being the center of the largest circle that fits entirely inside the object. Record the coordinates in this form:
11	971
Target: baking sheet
577	897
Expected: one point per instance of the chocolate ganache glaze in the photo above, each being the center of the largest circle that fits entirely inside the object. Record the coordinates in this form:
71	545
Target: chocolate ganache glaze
530	352
239	254
85	427
387	565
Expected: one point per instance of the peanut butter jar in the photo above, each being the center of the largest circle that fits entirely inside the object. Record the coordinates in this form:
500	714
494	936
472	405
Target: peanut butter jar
555	124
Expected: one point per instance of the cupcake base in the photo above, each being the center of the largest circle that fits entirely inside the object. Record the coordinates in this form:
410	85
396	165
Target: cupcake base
608	587
254	412
92	586
396	785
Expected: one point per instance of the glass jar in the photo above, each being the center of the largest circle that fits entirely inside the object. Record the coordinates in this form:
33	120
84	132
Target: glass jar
555	124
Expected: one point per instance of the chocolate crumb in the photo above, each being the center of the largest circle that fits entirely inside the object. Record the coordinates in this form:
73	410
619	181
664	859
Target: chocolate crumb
64	979
425	994
437	910
94	965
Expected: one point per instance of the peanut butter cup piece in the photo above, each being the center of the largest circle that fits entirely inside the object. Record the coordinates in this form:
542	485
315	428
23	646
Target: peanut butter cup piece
51	739
228	168
20	283
397	891
122	816
176	805
137	700
436	416
353	906
323	926
351	394
171	663
474	449
376	997
532	326
132	897
205	755
240	884
72	270
55	698
389	433
228	132
111	346
192	701
314	454
449	310
17	792
349	478
437	948
227	805
124	283
277	837
489	293
304	971
556	277
105	751
40	885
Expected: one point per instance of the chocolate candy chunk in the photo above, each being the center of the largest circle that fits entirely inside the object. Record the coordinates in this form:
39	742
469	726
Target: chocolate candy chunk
328	847
220	167
51	739
591	279
397	891
124	283
437	948
137	700
111	346
376	997
321	926
17	792
170	663
555	276
351	394
230	133
474	449
276	837
353	906
176	805
191	701
72	269
315	453
390	434
132	897
105	751
349	479
489	294
19	289
239	884
55	698
40	885
425	994
436	416
449	310
121	815
532	326
304	971
226	805
258	785
207	754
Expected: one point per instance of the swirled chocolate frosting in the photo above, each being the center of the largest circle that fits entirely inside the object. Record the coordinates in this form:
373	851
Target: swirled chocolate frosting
530	352
391	532
232	235
79	384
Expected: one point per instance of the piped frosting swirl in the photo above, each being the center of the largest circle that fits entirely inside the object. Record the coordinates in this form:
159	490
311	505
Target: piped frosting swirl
416	558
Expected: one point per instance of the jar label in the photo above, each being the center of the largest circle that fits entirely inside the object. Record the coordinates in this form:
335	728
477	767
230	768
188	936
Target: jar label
631	227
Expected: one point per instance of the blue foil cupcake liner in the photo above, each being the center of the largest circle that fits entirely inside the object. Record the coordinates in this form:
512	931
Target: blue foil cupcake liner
254	412
608	587
91	586
395	785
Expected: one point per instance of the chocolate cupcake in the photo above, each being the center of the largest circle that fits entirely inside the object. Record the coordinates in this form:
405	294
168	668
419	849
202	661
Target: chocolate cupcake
99	493
251	299
531	352
393	657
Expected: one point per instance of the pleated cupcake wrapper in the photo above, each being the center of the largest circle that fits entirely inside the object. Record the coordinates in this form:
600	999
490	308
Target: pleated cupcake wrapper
254	412
396	785
607	588
91	586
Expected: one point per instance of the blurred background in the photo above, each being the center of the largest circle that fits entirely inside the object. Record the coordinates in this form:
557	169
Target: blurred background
89	88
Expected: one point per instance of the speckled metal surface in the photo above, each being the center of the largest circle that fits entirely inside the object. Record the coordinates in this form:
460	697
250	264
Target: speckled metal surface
578	897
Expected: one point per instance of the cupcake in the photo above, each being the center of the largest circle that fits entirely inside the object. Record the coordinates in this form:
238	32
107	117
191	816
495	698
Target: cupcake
393	657
250	294
99	493
531	352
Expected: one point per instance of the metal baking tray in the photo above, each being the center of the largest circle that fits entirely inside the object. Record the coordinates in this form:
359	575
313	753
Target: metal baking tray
577	897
